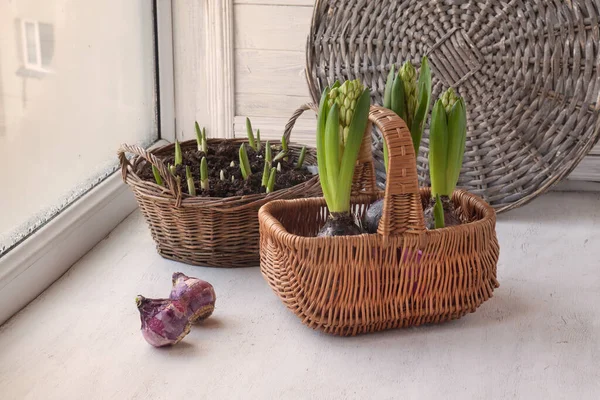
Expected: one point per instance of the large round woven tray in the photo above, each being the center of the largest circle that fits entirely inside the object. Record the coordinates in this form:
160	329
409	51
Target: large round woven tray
528	71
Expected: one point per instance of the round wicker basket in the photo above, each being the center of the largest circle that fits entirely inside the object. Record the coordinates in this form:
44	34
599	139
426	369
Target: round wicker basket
528	71
404	275
207	231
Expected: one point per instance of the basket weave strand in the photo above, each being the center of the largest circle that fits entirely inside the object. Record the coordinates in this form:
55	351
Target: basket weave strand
402	276
215	232
528	71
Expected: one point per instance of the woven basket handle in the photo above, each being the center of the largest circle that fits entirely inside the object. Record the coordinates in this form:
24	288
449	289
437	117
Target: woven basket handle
402	207
171	183
290	125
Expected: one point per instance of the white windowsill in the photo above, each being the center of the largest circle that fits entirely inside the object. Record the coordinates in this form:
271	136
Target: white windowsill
536	338
43	257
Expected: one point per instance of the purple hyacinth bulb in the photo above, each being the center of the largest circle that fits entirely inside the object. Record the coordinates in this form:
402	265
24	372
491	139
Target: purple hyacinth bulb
164	321
197	296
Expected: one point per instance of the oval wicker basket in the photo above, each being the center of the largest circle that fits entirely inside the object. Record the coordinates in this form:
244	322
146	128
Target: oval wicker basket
402	276
528	71
207	231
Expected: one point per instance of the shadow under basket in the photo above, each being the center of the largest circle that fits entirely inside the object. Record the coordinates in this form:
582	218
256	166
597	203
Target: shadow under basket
404	275
206	231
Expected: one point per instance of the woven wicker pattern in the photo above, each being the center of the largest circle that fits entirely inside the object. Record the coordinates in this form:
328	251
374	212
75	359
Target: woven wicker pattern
402	276
215	232
528	71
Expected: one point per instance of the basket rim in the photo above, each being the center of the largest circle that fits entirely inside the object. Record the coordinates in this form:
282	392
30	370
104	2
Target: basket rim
279	232
163	194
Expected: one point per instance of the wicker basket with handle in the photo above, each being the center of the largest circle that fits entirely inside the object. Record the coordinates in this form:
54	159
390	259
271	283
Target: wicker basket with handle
208	231
402	276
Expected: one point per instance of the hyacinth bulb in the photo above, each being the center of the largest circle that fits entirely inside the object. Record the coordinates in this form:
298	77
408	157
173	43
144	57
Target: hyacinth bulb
197	296
164	321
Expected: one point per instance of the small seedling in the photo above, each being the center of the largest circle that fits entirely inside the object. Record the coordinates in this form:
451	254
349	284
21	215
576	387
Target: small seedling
190	181
244	162
157	176
204	174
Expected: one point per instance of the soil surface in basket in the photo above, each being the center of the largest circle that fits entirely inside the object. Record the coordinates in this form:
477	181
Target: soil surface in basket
219	158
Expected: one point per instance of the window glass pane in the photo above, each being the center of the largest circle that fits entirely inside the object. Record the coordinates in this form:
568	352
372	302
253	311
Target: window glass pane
31	43
60	130
46	43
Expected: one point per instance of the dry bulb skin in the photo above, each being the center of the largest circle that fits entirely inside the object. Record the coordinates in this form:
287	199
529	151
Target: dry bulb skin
164	321
167	321
196	295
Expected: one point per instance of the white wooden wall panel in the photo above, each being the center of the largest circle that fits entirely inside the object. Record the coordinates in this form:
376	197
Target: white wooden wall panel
268	105
270	72
189	67
278	2
204	76
271	27
270	39
272	128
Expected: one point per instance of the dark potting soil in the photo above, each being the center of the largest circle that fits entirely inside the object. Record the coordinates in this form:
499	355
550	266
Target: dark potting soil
451	217
220	158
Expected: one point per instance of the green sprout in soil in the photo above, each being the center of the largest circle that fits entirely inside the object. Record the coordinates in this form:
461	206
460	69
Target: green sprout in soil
204	174
268	153
284	147
190	181
178	153
201	139
265	176
250	133
301	158
271	182
157	176
244	162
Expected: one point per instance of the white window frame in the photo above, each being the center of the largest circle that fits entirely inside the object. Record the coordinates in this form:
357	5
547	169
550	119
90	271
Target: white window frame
39	260
38	47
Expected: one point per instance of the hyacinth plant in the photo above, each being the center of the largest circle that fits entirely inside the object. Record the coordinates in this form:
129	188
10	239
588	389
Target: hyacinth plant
341	123
447	138
409	98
